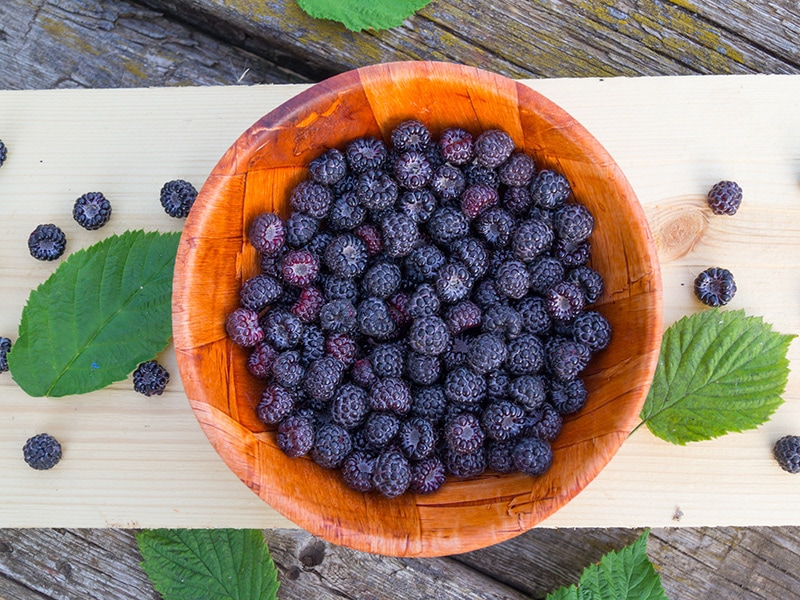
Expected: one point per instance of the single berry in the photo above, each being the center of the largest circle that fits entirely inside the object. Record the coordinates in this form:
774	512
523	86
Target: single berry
464	433
357	470
5	348
311	199
464	386
500	456
463	316
299	268
503	420
342	347
477	198
564	301
381	279
545	272
308	304
412	170
376	190
362	374
301	229
427	476
328	168
526	355
512	279
267	234
296	436
493	147
535	318
3	153
92	210
549	189
423	301
517	200
502	319
423	369
399	233
391	474
282	329
715	286
485	294
346	213
457	146
533	456
417	438
410	135
47	242
42	452
380	429
573	222
370	234
338	316
496	226
529	391
568	397
456	354
571	254
374	320
390	394
497	383
423	263
177	197
150	378
331	446
417	204
544	422
398	308
531	239
339	288
429	335
477	173
388	360
566	358
365	153
275	405
465	465
349	407
590	282
787	452
517	171
487	352
473	253
243	327
446	225
322	378
346	256
288	369
448	182
725	197
453	282
593	329
260	291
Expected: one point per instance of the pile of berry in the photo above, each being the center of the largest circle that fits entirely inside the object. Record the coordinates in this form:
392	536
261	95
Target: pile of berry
424	310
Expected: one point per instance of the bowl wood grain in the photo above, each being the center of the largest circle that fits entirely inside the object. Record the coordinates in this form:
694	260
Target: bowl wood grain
214	257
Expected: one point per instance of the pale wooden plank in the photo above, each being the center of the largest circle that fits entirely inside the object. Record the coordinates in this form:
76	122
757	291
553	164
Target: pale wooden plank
133	462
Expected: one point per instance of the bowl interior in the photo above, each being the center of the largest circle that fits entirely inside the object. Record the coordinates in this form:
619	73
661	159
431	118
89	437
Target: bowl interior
214	257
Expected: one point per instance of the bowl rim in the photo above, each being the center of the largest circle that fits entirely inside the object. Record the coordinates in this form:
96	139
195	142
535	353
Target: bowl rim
222	430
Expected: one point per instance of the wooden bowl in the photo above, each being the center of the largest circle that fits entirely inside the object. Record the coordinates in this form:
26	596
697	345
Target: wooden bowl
214	257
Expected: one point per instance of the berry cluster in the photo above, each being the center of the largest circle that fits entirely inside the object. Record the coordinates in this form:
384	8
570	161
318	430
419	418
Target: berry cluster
424	311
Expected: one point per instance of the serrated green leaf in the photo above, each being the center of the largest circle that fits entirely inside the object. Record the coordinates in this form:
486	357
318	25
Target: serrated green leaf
103	311
209	564
718	371
624	575
358	15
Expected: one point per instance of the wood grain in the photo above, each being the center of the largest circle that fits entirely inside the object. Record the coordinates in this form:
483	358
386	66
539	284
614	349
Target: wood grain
131	461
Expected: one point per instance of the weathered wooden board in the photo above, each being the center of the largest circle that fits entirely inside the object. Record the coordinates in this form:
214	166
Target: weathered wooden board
131	461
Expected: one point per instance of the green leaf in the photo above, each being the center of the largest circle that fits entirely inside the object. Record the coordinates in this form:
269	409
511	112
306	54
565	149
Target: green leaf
209	564
103	311
718	371
624	575
360	14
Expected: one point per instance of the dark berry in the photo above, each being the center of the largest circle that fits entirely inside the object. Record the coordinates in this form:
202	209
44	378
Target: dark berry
593	329
391	474
346	213
423	369
453	282
427	476
282	329
177	198
573	222
486	353
463	316
381	279
571	254
357	470
362	374
500	456
526	355
374	320
338	316
311	199
346	256
398	308
787	452
388	360
342	347
429	335
260	291
477	198
543	422
287	367
296	436
456	354
92	210
568	397
308	304
473	253
715	286
301	229
465	465
566	358
502	319
517	171
150	378
299	268
446	225
47	242
502	420
496	226
535	318
517	200
531	239
477	173
590	282
512	279
349	407
497	383
318	242
532	456
390	394
485	294
243	327
5	348
493	147
464	433
429	403
549	189
276	404
271	265
380	429
464	386
725	197
3	153
322	378
370	234
328	168
331	446
423	301
399	233
376	190
457	146
417	204
42	452
417	438
340	288
545	272
365	153
410	135
412	170
423	263
564	301
448	182
529	391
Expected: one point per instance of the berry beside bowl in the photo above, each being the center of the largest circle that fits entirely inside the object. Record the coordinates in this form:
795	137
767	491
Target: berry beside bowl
216	257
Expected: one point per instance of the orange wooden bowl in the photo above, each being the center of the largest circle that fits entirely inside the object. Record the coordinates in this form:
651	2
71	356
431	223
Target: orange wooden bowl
214	257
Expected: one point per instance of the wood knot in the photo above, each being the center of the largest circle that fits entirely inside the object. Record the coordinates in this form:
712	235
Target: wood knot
677	225
313	554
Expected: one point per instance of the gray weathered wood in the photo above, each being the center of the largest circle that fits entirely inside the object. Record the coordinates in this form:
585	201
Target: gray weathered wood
116	43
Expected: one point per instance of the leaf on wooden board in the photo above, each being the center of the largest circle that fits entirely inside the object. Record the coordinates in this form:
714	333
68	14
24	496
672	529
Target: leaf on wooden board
209	564
718	371
358	15
103	311
626	574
